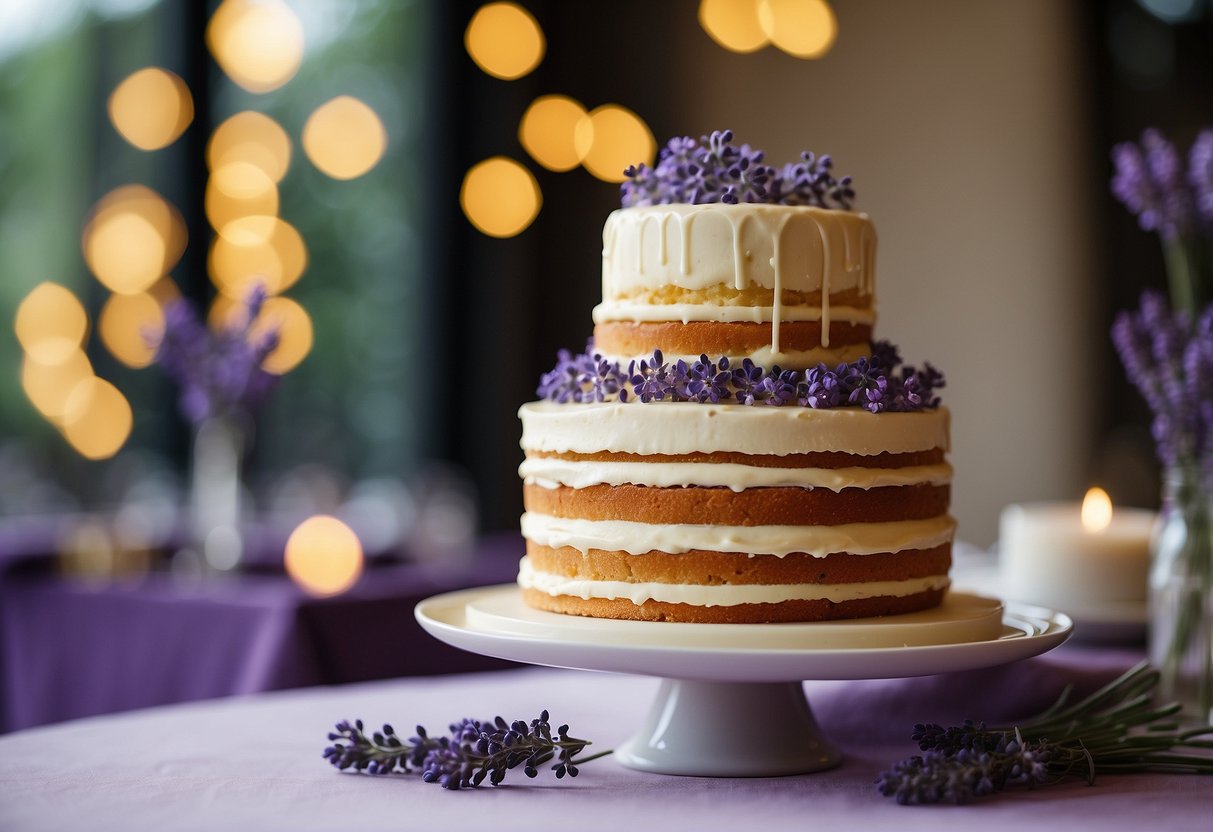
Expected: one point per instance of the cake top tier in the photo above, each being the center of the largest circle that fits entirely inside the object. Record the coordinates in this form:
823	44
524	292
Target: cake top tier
723	250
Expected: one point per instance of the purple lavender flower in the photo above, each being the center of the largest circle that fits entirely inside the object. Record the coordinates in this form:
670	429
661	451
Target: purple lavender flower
220	372
1200	176
1149	180
877	384
712	169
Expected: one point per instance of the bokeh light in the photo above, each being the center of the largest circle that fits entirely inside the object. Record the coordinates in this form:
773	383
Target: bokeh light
132	239
295	334
611	139
504	40
97	419
733	24
239	189
48	386
258	43
548	131
803	28
151	108
256	249
254	138
130	327
344	137
500	197
323	556
50	323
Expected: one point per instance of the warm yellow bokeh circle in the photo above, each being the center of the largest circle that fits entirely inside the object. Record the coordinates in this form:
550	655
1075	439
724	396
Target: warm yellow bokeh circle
344	137
548	131
504	40
500	197
323	556
803	28
613	138
733	24
151	108
257	43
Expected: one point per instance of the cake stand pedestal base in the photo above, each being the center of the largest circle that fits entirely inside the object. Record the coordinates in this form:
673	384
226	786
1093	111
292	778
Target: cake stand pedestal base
729	729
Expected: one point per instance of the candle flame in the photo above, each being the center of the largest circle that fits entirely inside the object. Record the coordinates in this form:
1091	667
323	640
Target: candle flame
1096	510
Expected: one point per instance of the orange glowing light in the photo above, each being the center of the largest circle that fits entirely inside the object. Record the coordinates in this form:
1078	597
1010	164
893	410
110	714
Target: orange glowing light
344	137
132	239
258	43
254	138
803	28
1096	510
252	250
295	335
130	326
500	197
323	556
48	386
97	419
51	323
239	189
611	139
151	108
548	131
504	40
733	24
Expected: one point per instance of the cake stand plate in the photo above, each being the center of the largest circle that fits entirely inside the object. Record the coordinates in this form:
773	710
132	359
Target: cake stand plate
719	675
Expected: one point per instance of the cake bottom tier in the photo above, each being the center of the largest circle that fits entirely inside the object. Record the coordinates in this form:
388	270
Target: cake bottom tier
743	603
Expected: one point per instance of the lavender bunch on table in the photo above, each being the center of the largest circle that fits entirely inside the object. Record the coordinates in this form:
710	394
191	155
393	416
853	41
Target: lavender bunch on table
712	169
1174	201
879	383
472	752
1117	729
218	372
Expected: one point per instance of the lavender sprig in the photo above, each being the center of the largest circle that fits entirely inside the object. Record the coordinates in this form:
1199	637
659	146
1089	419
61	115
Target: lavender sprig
712	169
1115	729
219	373
879	383
473	751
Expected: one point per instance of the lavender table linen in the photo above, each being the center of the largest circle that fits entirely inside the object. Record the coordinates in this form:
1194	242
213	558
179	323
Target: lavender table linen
255	762
70	649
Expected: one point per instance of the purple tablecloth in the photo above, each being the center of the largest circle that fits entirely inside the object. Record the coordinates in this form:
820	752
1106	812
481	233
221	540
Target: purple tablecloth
70	649
254	763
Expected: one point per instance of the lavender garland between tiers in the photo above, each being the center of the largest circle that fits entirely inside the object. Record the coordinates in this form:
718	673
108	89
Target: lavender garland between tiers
878	384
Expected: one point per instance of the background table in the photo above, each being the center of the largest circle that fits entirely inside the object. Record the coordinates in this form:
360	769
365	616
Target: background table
70	648
255	762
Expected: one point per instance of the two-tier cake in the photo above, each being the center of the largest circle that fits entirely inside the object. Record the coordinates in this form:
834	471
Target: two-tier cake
733	447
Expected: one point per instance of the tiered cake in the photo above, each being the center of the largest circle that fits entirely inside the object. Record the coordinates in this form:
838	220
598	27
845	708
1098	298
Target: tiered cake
797	476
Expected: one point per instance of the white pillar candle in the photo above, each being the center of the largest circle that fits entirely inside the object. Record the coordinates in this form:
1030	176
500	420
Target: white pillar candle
1048	557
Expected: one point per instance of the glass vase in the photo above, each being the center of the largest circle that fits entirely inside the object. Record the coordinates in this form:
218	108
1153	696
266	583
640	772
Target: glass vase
216	486
1181	592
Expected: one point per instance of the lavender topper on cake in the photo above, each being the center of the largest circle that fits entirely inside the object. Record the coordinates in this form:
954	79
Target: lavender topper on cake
878	384
712	169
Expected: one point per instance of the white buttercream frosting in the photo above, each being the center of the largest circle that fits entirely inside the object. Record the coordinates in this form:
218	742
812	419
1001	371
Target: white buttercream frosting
692	427
720	596
766	357
677	538
626	310
550	472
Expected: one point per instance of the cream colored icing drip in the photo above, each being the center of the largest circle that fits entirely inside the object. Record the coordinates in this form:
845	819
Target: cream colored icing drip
789	360
720	596
628	311
550	472
677	538
771	246
690	427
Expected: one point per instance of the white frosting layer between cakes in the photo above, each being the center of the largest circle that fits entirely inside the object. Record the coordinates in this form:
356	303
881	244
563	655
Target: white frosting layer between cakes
720	596
677	538
690	427
550	472
766	357
622	310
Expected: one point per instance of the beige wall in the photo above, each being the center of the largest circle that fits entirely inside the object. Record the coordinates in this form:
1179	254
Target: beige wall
962	123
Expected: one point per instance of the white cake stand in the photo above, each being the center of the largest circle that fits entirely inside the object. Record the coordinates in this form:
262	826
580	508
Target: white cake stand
720	675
